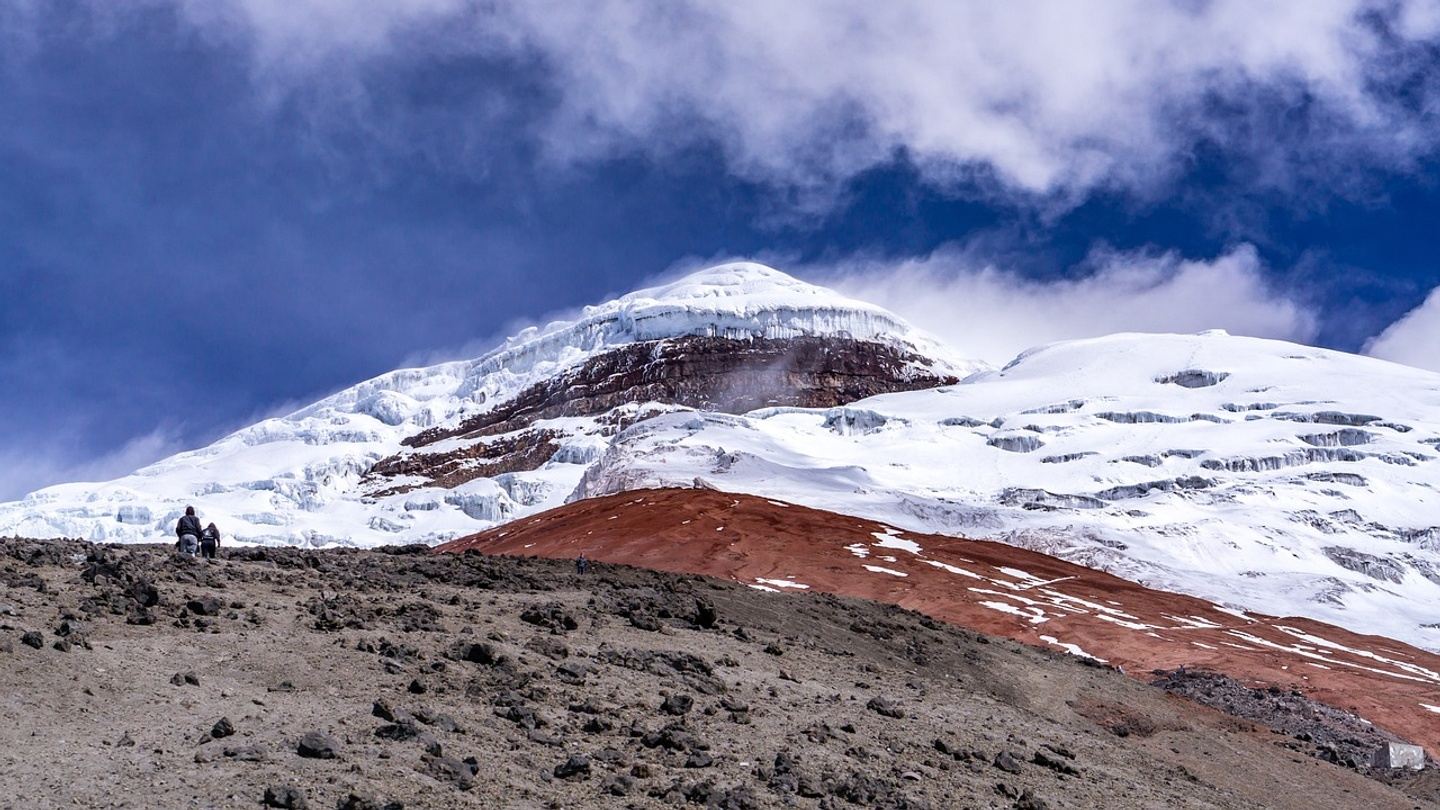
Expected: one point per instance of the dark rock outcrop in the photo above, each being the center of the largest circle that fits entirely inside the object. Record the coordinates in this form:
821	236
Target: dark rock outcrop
710	373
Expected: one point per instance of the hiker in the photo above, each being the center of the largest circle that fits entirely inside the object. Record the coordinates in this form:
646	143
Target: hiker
209	542
582	565
187	529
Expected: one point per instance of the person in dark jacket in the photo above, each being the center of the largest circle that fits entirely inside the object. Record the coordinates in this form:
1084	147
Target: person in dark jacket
187	530
209	542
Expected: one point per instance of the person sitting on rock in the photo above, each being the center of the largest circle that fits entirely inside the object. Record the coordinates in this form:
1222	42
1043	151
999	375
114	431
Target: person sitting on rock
209	542
187	529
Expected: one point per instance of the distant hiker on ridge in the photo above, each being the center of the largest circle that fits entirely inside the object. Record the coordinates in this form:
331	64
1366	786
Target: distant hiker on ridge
209	542
187	529
582	565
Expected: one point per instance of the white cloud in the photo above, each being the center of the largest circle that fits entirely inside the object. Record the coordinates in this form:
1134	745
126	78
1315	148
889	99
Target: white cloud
26	469
989	313
1048	98
1414	339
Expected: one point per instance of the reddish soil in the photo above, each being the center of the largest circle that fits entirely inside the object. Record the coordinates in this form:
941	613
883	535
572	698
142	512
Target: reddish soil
990	587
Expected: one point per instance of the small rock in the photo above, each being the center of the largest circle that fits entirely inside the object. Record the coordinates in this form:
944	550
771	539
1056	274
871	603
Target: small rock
245	753
617	785
677	704
1007	762
449	770
443	722
33	639
573	672
381	709
318	745
403	730
287	796
185	678
206	606
1054	763
1029	801
885	707
222	728
576	765
430	744
416	687
597	725
699	759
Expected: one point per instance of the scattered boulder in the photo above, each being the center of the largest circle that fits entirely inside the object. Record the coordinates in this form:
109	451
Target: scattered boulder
576	766
286	796
318	745
451	771
552	616
677	704
1054	763
1007	762
33	639
397	732
245	753
885	707
223	728
481	653
205	606
549	646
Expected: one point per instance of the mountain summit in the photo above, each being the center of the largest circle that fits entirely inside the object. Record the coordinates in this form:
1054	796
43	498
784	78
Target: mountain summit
427	454
1259	474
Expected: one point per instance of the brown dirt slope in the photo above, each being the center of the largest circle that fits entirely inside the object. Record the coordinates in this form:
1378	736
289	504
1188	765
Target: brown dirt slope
990	587
393	679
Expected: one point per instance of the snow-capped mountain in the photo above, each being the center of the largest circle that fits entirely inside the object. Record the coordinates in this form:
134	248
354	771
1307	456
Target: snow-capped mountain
428	454
1282	478
1265	475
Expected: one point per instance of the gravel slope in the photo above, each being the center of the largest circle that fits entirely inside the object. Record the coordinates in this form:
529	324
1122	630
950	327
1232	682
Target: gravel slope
402	678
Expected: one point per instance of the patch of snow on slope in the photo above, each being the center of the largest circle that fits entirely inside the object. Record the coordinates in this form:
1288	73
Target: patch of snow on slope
890	538
783	583
1073	649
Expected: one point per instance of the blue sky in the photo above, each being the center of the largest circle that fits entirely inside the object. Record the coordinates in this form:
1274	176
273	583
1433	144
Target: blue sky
214	211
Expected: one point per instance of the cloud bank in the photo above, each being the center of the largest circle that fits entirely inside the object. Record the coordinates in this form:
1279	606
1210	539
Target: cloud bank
1414	339
987	312
1042	99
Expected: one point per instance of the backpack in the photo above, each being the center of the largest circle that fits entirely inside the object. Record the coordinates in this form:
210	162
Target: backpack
209	536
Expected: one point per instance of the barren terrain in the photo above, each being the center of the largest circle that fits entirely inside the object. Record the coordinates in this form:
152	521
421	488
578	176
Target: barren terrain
133	678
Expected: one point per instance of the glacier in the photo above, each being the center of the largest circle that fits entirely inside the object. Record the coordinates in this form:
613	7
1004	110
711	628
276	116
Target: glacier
298	479
1257	473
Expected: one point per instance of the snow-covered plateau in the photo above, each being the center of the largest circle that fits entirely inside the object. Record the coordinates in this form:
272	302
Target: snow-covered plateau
1259	474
